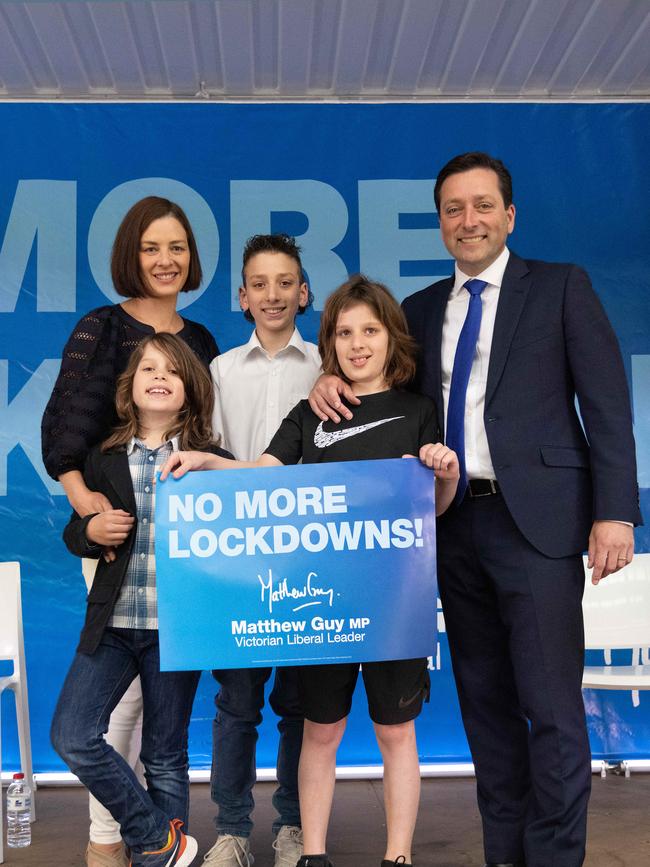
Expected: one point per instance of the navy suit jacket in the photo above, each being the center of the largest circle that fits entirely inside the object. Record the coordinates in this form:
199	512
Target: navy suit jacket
552	342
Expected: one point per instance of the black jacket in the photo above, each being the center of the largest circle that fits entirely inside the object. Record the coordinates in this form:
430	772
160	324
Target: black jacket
108	473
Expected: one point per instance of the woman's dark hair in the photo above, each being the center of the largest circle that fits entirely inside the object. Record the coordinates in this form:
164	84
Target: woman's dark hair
125	257
193	426
400	357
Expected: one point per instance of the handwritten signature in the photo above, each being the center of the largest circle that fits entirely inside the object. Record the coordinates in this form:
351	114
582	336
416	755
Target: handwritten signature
273	591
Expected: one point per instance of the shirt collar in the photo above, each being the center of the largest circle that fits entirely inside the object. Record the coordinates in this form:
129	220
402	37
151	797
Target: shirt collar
134	443
493	274
295	342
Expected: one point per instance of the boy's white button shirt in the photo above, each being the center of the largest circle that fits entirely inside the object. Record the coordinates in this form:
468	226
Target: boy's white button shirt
254	391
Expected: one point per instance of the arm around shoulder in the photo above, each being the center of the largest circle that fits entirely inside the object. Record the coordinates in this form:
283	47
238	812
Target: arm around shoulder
325	398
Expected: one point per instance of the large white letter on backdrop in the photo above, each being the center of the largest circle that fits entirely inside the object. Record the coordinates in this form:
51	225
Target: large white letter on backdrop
45	212
19	419
384	244
253	202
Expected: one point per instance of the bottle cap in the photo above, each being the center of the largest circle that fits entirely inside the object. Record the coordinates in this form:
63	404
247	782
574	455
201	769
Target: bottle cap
19	776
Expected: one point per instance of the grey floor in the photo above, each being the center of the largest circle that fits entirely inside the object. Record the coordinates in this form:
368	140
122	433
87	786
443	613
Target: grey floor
447	835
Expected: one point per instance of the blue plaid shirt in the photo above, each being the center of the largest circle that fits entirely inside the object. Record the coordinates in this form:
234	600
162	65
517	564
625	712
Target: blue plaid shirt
137	604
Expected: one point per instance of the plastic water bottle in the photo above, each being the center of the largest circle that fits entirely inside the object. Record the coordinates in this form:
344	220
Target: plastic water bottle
19	813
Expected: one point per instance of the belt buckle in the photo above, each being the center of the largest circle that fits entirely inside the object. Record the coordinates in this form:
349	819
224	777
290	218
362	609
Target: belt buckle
493	490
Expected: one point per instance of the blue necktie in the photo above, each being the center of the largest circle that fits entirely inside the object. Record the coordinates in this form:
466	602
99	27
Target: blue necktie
460	377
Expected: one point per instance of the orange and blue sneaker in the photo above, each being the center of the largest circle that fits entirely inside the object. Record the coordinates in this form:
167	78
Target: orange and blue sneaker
179	851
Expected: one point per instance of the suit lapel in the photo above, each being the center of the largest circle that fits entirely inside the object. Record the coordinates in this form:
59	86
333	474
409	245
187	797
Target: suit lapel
433	342
512	297
115	466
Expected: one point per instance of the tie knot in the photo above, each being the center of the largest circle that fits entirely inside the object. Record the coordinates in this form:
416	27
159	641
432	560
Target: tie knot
475	287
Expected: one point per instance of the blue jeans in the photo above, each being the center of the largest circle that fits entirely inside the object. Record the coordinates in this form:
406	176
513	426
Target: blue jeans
239	711
93	687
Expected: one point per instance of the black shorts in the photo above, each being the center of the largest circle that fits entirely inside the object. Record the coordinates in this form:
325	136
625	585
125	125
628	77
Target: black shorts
395	690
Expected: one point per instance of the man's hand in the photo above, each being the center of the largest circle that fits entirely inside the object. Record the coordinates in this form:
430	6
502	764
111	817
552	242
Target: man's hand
611	546
442	460
110	528
325	398
179	463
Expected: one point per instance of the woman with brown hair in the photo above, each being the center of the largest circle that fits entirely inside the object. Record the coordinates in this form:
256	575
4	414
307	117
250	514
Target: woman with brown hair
154	258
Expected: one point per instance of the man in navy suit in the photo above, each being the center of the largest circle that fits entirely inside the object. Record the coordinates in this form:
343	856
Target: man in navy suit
541	489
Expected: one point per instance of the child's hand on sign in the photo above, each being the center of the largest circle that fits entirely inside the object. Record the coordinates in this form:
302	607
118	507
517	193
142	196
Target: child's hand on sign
442	460
179	463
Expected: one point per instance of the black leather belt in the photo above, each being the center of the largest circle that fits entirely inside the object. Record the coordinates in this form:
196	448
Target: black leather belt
482	487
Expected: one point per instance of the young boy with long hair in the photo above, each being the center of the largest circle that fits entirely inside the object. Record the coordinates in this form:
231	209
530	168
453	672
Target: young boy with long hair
163	402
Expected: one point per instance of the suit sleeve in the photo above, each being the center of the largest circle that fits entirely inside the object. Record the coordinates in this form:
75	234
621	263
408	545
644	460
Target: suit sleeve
414	323
601	387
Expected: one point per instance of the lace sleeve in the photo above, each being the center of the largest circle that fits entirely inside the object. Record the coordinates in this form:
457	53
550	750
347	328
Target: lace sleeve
81	411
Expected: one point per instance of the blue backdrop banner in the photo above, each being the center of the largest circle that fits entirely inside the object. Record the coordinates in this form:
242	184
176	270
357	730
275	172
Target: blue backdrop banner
355	184
318	563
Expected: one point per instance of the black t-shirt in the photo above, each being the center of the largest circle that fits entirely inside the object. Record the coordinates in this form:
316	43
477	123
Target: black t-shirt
388	424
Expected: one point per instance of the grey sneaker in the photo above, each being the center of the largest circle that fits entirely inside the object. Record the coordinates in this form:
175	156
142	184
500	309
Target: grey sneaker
288	846
230	851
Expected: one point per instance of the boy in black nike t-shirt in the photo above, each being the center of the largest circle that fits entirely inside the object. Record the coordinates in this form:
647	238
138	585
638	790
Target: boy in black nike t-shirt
363	338
387	424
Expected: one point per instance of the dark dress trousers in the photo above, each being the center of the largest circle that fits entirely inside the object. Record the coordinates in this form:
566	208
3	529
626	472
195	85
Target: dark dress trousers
509	565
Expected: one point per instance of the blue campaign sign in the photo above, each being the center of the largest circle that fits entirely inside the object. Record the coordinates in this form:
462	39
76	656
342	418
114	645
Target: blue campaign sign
296	565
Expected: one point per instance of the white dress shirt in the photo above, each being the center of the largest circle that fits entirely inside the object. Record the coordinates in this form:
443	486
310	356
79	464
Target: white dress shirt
254	391
477	453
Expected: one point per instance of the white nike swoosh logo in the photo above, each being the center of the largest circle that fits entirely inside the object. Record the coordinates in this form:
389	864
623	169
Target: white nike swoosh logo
322	439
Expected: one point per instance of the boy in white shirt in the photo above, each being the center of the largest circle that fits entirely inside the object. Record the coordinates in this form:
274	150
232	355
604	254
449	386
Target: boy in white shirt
256	385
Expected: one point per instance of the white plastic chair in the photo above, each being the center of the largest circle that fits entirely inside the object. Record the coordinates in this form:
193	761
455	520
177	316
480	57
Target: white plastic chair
12	648
617	617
